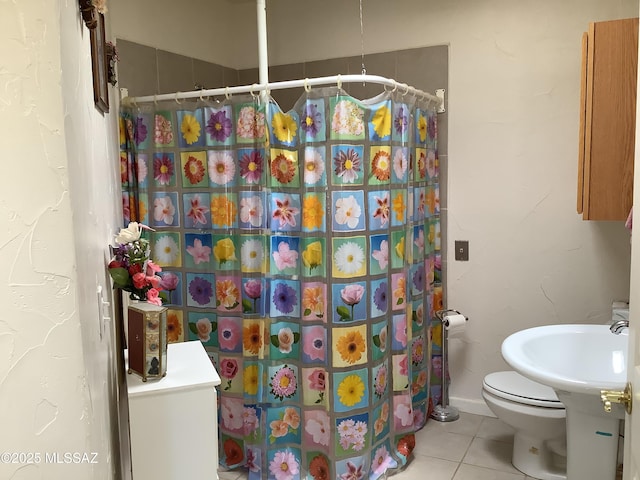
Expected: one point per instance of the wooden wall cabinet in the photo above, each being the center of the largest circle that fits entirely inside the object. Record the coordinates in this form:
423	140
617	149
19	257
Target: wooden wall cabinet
607	119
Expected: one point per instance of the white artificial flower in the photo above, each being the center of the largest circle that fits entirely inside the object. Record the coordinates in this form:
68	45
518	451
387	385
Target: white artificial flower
319	430
348	211
313	166
252	255
349	257
166	250
130	234
164	210
251	210
232	415
400	163
222	167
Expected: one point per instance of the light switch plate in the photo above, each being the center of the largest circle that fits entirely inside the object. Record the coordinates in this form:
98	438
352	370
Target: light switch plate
462	250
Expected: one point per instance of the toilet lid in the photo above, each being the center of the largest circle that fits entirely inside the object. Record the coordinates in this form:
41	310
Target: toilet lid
513	386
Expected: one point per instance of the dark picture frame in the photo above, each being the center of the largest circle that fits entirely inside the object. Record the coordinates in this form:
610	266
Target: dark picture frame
99	65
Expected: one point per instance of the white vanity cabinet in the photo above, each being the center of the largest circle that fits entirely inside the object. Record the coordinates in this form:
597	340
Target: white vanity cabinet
173	421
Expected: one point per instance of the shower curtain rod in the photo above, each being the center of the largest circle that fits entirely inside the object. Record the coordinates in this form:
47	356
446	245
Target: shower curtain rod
307	83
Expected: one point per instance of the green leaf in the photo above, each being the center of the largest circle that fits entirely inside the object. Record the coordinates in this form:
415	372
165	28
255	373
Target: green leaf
214	326
274	341
120	276
376	340
400	301
193	328
247	306
344	313
296	337
307	312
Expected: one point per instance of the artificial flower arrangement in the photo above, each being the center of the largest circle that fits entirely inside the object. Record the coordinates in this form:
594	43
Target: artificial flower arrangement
131	268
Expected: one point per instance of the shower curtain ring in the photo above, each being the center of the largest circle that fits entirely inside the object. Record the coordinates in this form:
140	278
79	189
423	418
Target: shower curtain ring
178	101
202	99
339	81
251	90
155	100
406	89
307	87
395	87
227	95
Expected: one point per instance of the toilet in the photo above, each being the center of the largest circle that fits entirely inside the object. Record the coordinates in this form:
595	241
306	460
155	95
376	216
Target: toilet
538	418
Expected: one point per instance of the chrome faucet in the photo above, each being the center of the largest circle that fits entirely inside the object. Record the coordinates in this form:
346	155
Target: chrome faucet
617	326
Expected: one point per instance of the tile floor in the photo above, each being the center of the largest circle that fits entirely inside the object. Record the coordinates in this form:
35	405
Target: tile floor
471	448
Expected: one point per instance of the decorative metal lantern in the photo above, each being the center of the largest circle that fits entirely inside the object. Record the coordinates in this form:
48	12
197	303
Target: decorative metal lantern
147	340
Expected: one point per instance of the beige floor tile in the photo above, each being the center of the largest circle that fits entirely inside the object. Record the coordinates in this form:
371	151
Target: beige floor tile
437	468
441	444
467	424
471	472
490	454
495	429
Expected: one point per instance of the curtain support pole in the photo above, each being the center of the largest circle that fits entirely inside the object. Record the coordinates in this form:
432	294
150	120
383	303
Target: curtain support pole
263	57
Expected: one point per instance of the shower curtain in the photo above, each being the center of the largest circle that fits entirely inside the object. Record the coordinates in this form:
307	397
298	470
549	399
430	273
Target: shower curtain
302	250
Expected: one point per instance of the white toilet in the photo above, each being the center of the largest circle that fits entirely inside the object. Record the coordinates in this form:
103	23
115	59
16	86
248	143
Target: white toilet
538	417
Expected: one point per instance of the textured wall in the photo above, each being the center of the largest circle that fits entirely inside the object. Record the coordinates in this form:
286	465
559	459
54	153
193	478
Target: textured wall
54	364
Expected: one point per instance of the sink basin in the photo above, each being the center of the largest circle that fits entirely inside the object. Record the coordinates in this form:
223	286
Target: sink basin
574	358
578	361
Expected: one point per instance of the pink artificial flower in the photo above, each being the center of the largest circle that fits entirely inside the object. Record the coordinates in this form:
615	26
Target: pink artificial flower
382	255
317	380
404	365
153	280
229	333
197	211
285	257
284	465
285	212
153	298
139	280
228	368
199	252
169	281
352	294
400	331
152	268
419	242
253	288
313	342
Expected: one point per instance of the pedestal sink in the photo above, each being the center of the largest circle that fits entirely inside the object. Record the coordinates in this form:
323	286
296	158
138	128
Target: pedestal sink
578	361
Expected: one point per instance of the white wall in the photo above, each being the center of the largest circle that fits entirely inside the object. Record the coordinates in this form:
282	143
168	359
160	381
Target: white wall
57	172
512	159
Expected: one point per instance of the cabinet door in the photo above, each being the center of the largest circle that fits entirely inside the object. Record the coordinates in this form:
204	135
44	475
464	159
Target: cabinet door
609	127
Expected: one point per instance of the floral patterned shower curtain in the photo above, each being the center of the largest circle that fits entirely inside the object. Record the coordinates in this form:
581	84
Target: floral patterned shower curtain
302	250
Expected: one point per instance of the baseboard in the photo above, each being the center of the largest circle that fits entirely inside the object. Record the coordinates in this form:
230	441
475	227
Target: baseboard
466	405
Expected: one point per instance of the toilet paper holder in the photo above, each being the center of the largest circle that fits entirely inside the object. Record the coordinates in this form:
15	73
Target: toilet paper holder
445	412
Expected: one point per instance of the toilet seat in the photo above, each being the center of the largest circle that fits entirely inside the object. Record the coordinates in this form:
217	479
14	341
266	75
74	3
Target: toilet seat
516	388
